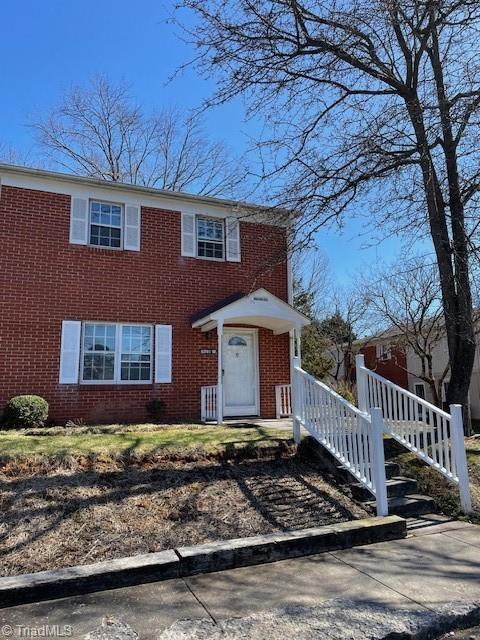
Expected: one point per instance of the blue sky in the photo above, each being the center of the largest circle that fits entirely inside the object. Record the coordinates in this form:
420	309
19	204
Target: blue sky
48	46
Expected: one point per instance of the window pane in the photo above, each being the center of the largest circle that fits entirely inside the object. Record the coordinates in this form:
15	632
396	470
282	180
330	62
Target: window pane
210	238
99	352
105	224
210	250
136	353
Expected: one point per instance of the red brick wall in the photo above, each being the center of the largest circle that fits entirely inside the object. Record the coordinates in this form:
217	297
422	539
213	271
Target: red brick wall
44	280
392	369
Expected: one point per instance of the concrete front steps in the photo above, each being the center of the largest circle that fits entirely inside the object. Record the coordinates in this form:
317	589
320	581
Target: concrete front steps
403	497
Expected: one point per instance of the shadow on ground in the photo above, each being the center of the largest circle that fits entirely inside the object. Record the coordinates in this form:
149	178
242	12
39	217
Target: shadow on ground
77	517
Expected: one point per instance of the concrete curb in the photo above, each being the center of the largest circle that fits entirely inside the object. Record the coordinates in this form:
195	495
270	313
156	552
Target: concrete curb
203	558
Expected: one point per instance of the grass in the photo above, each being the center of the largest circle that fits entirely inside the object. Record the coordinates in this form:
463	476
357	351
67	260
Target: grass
445	493
82	494
142	439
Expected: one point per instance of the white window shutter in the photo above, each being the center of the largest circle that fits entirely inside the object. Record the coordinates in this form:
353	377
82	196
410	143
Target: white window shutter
131	240
188	234
233	239
79	221
70	351
163	353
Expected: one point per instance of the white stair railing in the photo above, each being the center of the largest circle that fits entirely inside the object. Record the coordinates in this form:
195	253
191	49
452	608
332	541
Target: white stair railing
283	400
208	402
433	435
353	437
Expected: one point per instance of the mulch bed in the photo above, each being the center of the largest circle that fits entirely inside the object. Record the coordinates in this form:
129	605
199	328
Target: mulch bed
80	511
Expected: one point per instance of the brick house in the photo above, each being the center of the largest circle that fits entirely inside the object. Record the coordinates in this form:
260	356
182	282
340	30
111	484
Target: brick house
383	354
113	295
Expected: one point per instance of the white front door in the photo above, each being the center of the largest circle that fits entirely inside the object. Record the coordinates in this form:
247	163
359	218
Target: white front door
240	372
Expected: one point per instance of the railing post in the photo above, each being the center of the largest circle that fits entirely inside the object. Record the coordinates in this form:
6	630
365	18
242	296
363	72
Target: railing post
362	390
203	410
378	462
219	372
278	401
296	401
460	456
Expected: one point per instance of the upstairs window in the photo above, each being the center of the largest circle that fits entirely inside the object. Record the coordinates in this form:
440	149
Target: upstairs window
210	238
105	224
384	352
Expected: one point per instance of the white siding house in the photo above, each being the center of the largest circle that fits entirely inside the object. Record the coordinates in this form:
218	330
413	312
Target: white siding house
440	360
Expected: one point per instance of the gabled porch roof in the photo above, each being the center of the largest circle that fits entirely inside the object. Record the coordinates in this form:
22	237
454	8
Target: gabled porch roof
260	308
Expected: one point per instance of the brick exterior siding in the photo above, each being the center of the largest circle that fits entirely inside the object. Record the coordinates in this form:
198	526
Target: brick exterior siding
44	279
393	369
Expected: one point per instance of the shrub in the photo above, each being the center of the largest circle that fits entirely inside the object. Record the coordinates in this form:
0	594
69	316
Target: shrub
25	411
347	391
156	409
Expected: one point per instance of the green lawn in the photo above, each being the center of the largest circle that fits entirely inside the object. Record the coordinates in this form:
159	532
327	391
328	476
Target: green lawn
116	440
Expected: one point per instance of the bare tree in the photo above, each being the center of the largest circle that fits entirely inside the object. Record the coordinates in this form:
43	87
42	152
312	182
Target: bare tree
342	328
406	299
377	98
311	287
11	155
100	132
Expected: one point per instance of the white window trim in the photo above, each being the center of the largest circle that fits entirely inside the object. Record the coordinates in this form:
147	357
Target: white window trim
419	384
118	355
444	391
122	226
224	243
384	352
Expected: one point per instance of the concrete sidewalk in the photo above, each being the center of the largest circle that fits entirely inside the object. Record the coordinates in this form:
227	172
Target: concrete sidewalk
439	563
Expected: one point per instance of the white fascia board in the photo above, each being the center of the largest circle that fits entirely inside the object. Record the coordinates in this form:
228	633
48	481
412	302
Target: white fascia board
78	186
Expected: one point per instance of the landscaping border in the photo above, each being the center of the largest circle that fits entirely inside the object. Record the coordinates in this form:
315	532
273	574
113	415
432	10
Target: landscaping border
202	558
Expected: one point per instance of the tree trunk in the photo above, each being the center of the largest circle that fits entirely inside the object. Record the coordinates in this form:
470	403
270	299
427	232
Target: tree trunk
460	329
454	282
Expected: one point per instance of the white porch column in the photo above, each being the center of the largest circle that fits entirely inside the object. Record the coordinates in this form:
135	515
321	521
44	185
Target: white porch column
219	372
296	401
298	337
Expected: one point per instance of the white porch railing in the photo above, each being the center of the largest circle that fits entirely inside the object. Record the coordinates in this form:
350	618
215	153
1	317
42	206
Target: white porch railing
353	437
208	401
283	400
433	435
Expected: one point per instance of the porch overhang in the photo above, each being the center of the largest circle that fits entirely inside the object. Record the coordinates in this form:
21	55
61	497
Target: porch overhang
260	309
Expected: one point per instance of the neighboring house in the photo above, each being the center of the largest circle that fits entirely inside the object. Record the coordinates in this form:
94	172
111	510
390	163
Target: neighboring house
440	360
403	367
114	295
382	354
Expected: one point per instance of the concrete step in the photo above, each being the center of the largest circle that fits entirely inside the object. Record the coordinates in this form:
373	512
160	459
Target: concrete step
396	487
411	505
392	469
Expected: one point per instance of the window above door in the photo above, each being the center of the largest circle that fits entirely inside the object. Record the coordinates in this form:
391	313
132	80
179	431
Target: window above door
210	238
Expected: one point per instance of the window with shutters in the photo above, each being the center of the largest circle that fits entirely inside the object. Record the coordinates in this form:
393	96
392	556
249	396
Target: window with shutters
116	353
105	224
210	238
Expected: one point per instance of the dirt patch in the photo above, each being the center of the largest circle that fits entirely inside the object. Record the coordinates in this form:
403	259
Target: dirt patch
89	510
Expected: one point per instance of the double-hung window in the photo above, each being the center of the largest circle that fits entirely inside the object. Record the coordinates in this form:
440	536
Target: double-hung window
105	224
116	353
210	238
